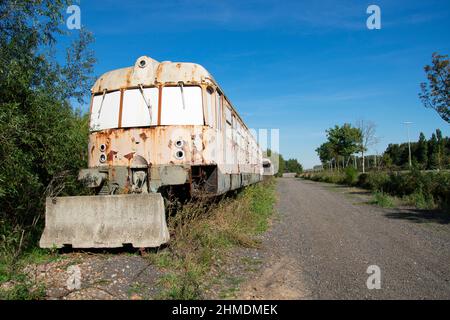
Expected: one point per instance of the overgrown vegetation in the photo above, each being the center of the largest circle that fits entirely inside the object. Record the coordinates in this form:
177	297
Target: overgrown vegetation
43	139
425	190
203	232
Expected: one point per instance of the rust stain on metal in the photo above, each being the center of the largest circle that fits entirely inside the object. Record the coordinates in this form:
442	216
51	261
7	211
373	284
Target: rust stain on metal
121	108
143	136
111	155
128	77
129	156
159	104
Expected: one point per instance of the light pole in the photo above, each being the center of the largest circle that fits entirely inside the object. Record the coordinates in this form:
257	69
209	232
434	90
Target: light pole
407	123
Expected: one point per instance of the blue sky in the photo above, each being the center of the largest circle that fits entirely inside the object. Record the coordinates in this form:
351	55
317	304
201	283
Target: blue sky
299	66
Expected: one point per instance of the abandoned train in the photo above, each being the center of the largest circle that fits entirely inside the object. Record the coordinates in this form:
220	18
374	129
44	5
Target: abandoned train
153	126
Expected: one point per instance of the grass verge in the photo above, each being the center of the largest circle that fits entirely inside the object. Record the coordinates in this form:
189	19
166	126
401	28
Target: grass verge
203	232
14	283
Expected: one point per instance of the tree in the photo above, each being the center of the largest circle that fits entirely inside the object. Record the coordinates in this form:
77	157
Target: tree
440	147
433	154
292	165
367	138
421	151
325	153
42	137
344	140
436	93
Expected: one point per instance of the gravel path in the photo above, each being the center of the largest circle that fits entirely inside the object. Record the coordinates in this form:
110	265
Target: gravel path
326	239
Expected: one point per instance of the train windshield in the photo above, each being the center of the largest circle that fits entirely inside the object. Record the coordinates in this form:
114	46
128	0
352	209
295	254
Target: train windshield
179	106
182	106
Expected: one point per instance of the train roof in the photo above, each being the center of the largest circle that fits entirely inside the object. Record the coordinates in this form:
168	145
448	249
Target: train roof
147	72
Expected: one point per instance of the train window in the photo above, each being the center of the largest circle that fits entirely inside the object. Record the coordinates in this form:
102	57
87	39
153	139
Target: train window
105	111
182	105
228	114
210	106
135	110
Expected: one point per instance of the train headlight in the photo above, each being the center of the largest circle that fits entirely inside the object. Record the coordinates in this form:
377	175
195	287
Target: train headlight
179	154
102	158
179	143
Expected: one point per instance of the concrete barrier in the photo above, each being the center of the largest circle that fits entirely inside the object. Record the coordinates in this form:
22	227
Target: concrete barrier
105	221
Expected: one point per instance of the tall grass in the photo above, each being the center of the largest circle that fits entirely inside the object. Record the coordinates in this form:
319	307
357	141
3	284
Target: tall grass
203	231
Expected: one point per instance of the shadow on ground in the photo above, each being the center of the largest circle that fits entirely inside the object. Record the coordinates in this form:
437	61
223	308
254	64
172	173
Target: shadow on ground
420	216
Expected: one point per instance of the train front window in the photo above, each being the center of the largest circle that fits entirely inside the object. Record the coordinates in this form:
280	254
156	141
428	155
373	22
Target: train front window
105	111
182	105
139	107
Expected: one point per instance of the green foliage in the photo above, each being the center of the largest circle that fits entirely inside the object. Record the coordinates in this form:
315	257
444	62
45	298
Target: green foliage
425	190
382	199
376	181
22	289
43	140
422	151
281	166
292	165
428	154
327	176
325	152
436	92
344	139
419	200
351	176
342	142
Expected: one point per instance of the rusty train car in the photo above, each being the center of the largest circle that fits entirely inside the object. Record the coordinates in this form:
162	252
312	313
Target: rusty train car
154	127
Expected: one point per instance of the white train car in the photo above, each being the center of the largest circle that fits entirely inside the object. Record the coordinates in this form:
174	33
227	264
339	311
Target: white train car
155	127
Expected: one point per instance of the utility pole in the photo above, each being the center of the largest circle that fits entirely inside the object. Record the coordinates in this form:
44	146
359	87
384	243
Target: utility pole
407	123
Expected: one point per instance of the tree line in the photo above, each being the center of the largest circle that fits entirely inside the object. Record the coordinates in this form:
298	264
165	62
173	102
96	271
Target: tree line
430	154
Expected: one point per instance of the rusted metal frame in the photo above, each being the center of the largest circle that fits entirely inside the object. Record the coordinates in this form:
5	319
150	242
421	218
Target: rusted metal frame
213	100
161	86
121	107
204	104
90	109
160	91
124	88
106	91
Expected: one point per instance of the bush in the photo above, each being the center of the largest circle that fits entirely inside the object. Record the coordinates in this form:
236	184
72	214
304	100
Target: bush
351	176
376	181
424	190
383	200
419	200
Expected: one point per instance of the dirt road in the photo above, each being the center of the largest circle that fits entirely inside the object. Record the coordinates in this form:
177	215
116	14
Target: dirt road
326	239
